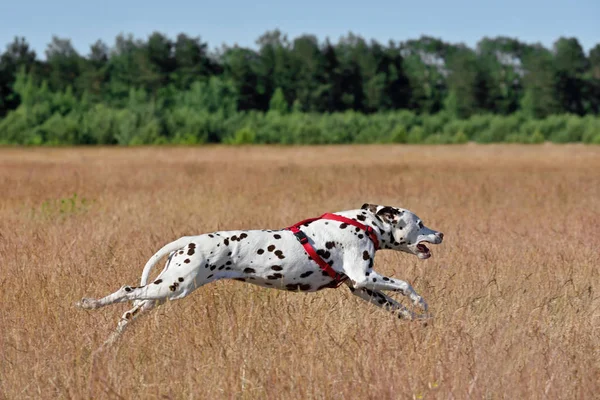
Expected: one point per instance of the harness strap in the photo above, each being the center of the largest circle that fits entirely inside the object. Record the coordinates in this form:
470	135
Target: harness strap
368	229
303	239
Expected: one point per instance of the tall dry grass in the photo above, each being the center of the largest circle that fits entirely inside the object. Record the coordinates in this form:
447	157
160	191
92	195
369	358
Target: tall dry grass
515	287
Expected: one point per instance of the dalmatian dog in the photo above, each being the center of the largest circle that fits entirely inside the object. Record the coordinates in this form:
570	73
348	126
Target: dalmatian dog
275	259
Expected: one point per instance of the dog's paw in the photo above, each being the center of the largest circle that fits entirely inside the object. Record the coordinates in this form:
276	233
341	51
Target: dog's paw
418	301
87	304
407	314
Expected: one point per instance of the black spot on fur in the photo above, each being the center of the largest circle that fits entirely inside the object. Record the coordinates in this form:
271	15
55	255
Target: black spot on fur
374	279
385	278
191	251
249	270
127	289
370	263
343	225
325	274
276	236
332	284
330	262
323	253
360	236
271	247
187	261
210	276
228	263
158	281
234	238
367	273
229	254
306	274
361	217
212	267
279	254
226	242
298	286
260	251
366	255
180	252
330	245
274	276
192	245
276	267
211	235
180	279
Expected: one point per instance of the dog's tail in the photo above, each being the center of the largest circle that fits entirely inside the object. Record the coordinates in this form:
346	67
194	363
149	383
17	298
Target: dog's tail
168	248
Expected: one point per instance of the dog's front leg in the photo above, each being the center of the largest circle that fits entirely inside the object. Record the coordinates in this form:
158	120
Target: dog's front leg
363	277
381	300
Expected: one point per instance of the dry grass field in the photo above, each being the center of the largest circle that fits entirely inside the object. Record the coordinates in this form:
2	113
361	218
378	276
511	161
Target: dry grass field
514	288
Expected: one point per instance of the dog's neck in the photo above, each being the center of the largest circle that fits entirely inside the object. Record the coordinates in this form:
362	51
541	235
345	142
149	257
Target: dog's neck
382	228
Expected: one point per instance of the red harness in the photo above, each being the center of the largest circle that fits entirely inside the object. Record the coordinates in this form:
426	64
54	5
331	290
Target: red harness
339	278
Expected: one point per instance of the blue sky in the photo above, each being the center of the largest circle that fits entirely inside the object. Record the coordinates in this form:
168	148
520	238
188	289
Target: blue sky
242	22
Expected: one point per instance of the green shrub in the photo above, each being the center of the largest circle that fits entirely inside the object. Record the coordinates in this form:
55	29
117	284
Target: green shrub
15	129
537	137
242	136
592	129
439	138
59	130
416	135
399	135
499	128
460	138
517	138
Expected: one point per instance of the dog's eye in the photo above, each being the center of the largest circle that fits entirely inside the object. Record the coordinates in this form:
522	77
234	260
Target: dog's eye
420	225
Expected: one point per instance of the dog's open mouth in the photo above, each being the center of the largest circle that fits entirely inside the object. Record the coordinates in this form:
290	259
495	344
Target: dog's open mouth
423	251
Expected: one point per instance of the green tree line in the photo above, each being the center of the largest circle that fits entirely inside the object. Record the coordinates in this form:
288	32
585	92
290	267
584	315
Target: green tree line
163	90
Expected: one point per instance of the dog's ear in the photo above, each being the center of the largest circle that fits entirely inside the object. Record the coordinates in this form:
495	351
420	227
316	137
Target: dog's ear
370	207
388	213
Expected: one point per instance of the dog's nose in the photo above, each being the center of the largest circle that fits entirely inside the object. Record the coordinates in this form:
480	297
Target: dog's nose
440	235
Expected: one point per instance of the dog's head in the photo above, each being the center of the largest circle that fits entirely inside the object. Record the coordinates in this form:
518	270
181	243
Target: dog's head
405	231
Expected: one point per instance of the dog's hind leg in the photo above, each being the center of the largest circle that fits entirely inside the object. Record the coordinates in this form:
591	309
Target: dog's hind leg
158	290
129	317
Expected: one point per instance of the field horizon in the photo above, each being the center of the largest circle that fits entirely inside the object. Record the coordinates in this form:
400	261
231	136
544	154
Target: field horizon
514	288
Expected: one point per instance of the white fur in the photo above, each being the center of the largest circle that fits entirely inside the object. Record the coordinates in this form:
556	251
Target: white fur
275	259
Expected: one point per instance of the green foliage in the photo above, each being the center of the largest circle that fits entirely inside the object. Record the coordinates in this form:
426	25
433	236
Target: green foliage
278	102
537	137
159	90
206	113
416	135
62	208
399	135
242	136
460	137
